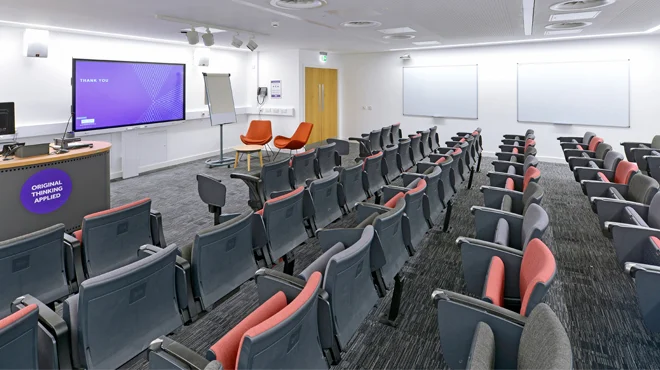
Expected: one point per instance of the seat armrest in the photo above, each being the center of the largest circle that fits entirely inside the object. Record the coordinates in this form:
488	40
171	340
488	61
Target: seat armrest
166	350
507	156
433	157
567	139
498	179
458	316
580	161
476	256
588	173
571	146
493	198
632	268
409	177
54	325
521	142
630	240
611	210
257	198
365	210
503	166
157	235
329	237
578	153
389	191
599	188
443	150
74	245
506	148
486	220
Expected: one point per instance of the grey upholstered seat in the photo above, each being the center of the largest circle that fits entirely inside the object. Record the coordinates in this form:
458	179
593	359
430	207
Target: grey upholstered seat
589	169
372	174
522	228
417	210
18	339
351	187
435	189
222	259
38	264
585	160
416	148
396	133
116	315
404	158
425	143
392	171
327	158
386	137
325	198
212	192
434	138
511	200
302	168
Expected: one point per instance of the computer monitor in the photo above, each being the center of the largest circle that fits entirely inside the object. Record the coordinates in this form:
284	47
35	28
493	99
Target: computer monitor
7	119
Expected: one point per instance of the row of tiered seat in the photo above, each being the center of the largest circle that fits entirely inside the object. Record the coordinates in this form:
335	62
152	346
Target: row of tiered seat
628	207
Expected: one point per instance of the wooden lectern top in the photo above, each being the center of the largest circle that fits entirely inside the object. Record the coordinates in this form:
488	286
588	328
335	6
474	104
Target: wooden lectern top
98	147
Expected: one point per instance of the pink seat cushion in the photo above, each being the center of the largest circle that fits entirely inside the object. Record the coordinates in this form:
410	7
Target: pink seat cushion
392	202
441	160
603	178
494	286
538	266
532	173
510	184
655	241
514	150
5	322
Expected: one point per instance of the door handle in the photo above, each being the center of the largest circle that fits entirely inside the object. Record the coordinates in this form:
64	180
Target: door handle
323	97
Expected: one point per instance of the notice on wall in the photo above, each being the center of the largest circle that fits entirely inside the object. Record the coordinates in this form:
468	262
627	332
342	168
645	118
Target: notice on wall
46	191
276	89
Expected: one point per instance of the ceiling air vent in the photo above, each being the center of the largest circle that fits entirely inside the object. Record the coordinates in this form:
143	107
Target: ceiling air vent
361	24
399	37
298	4
577	5
567	25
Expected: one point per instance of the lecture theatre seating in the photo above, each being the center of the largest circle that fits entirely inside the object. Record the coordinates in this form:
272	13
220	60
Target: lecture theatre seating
425	143
577	150
302	167
516	157
590	169
573	141
324	194
390	162
416	147
351	187
404	159
272	180
635	151
527	135
447	180
213	193
514	181
18	340
598	156
510	200
327	159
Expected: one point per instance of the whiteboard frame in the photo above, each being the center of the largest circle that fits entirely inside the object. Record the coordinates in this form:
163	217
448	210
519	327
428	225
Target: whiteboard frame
573	62
209	104
403	95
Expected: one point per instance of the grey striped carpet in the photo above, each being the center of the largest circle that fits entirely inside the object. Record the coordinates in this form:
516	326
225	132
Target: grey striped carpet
592	296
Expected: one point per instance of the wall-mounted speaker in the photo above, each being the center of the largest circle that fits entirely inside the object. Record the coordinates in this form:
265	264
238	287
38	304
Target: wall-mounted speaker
35	43
203	57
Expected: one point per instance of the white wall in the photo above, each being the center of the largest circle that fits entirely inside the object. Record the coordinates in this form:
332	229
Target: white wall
376	79
41	89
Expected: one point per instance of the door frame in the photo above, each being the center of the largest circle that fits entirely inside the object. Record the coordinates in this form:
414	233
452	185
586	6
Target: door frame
303	92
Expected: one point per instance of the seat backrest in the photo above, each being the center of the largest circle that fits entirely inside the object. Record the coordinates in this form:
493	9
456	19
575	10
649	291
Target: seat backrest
529	132
302	167
374	141
352	189
116	315
348	281
211	190
222	259
530	151
416	211
434	140
594	143
624	172
34	264
289	338
390	233
396	133
642	189
587	137
655	144
426	146
530	142
532	195
415	145
111	239
275	178
654	212
537	271
326	159
602	150
373	173
389	156
18	339
532	174
284	220
530	161
302	132
385	136
544	343
535	222
405	158
432	177
326	201
612	159
260	129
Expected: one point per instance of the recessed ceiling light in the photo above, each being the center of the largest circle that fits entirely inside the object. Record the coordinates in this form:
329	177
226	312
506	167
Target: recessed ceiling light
567	25
297	4
426	43
393	31
361	24
203	30
573	16
563	32
576	5
399	37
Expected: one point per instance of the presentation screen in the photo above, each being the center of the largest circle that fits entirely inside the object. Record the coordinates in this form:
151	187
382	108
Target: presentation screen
111	94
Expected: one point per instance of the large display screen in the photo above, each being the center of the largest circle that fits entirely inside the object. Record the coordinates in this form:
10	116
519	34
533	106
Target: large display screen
110	94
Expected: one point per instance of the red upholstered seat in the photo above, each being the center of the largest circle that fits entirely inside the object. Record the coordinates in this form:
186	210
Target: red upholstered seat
462	140
392	202
538	267
421	185
530	142
602	177
441	160
379	154
5	322
655	241
510	184
580	147
623	172
287	195
593	144
475	133
514	150
458	151
531	174
78	234
494	287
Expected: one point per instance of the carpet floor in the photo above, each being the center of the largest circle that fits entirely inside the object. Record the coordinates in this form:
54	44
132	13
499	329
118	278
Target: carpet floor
592	296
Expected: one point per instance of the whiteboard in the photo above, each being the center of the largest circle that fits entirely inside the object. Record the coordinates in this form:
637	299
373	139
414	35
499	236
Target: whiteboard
219	98
444	91
580	93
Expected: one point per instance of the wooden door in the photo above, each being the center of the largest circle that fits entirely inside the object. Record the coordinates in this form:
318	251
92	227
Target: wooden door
321	102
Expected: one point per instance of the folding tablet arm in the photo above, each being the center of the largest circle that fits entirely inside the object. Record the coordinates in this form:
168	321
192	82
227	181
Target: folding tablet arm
601	189
255	187
486	220
493	198
629	145
630	241
590	173
613	210
580	161
498	179
520	158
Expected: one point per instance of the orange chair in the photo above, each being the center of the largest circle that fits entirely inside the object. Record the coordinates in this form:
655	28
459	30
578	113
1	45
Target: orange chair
259	133
297	141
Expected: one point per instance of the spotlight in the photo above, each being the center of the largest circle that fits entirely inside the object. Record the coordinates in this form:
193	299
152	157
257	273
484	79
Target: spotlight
236	42
252	45
193	36
405	57
208	38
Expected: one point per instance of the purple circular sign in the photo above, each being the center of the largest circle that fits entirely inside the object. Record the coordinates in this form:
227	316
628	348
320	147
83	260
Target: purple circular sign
46	191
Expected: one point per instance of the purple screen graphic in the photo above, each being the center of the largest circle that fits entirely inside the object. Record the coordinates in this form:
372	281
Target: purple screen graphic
116	94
